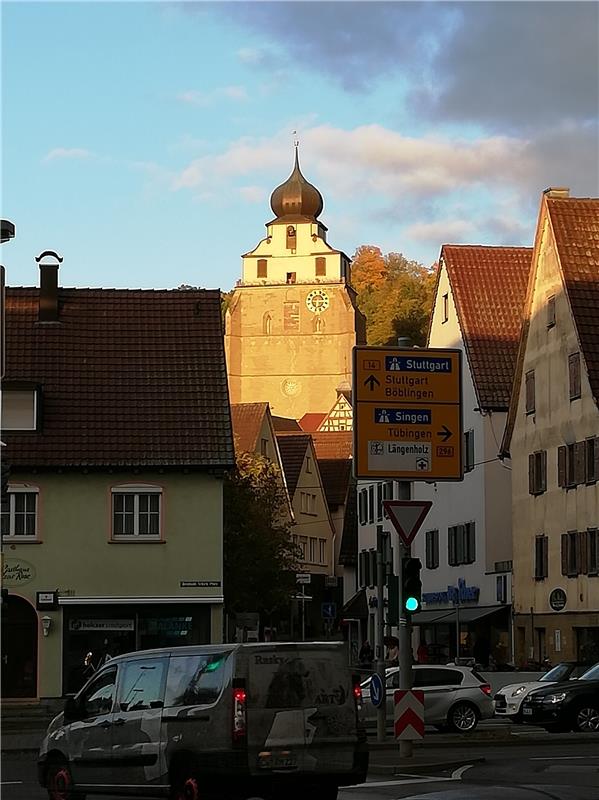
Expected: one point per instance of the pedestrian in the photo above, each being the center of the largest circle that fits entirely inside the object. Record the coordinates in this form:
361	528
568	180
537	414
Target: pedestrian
422	653
366	654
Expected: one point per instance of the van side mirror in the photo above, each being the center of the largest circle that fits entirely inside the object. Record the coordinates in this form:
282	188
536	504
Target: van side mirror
72	709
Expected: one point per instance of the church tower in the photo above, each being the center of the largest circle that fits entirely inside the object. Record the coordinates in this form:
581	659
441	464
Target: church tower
293	320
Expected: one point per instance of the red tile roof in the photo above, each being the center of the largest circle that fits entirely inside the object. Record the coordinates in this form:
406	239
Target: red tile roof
488	285
285	424
129	378
575	224
247	422
333	444
311	421
292	447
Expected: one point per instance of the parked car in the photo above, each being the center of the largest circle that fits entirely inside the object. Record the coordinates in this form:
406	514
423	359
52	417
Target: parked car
508	700
566	706
454	697
266	719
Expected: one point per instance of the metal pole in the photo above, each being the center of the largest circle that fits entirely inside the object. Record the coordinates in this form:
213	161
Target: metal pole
405	651
303	618
381	717
457	630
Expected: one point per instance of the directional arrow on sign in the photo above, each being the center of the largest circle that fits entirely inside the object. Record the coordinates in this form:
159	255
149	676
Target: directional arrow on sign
407	516
371	381
445	434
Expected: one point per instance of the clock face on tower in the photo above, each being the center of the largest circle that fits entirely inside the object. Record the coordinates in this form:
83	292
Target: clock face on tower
317	301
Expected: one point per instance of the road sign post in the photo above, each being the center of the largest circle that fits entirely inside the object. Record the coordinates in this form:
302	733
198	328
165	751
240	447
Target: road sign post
407	413
381	717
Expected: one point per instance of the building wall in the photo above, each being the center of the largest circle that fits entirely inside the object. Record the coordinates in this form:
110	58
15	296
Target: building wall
76	557
316	525
294	368
556	421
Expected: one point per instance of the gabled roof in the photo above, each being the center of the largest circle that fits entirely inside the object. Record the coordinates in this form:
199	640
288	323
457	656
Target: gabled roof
247	421
488	285
312	420
285	424
129	378
333	444
335	476
575	226
292	447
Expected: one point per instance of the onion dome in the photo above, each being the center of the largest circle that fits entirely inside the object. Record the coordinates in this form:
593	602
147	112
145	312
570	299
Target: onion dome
296	197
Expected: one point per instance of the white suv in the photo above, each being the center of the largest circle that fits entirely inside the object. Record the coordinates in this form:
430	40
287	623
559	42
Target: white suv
454	697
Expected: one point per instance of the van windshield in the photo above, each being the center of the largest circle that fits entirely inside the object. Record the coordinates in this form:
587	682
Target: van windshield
195	679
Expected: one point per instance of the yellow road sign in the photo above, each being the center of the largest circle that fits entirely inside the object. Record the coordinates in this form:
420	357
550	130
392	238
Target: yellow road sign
407	414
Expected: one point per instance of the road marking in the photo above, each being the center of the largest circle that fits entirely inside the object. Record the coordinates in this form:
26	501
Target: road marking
456	775
10	783
559	758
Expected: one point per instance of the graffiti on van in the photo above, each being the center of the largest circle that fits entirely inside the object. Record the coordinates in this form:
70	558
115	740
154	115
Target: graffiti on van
336	697
289	686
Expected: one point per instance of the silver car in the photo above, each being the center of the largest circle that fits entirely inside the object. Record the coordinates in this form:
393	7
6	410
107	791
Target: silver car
455	698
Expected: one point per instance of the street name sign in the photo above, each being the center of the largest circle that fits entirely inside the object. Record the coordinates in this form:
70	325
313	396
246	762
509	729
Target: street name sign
303	577
407	413
407	516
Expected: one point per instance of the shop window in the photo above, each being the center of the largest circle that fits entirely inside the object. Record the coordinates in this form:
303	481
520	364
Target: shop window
529	383
98	698
195	680
20	519
432	549
142	684
541	557
574	375
537	472
136	512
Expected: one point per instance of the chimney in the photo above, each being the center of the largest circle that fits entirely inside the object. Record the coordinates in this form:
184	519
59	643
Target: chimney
557	191
48	311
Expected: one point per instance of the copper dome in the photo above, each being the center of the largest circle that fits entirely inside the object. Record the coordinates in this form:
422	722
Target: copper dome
296	197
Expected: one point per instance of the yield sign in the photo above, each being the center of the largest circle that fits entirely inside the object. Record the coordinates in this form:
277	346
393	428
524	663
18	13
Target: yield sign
407	516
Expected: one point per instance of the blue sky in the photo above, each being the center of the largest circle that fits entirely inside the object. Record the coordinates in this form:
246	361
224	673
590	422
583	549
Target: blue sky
142	140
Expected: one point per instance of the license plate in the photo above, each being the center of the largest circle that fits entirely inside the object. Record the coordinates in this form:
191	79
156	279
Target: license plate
527	710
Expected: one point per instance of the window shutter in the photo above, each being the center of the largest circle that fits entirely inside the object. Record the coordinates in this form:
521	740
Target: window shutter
564	553
561	466
530	391
583	563
451	554
542	483
579	458
597	458
531	473
545	556
574	375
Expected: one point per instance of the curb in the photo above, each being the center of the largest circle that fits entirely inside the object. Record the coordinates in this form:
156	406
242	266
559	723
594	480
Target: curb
406	768
490	741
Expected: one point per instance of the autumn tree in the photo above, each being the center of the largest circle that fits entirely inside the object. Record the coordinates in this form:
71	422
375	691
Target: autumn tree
394	294
260	559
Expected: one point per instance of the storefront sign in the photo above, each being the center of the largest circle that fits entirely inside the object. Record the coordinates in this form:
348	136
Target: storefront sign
454	594
16	572
102	625
199	584
558	599
47	601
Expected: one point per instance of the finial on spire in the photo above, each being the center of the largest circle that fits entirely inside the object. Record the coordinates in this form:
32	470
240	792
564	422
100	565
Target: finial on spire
295	139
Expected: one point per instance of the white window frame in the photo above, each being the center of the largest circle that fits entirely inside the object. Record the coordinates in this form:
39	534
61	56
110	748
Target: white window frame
136	490
13	490
28	393
322	551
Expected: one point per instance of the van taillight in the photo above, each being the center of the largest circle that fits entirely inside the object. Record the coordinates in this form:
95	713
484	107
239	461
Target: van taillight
486	688
239	715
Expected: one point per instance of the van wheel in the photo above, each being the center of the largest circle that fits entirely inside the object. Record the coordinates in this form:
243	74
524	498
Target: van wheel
462	718
187	788
60	783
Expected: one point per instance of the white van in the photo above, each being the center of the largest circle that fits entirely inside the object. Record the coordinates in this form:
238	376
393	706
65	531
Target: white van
240	720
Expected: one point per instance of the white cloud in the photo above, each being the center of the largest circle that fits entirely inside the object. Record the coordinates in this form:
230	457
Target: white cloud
253	194
67	152
450	230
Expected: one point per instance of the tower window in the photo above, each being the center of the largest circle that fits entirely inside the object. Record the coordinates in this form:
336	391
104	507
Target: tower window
321	265
262	268
267	324
291	238
291	277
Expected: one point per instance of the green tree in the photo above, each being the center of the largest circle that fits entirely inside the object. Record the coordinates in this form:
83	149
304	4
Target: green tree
260	558
394	294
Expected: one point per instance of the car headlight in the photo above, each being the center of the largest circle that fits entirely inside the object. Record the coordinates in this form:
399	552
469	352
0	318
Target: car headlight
518	691
555	698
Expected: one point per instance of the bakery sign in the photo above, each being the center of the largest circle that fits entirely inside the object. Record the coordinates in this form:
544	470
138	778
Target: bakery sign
17	572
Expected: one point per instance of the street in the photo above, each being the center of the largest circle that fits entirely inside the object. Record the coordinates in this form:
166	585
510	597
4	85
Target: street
560	771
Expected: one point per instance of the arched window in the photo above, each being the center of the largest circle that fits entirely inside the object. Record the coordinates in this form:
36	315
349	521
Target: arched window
318	325
267	324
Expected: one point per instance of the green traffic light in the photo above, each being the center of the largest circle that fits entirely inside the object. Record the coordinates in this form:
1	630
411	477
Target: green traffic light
411	604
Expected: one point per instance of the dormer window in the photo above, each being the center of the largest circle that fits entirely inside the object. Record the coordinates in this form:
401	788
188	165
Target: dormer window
20	408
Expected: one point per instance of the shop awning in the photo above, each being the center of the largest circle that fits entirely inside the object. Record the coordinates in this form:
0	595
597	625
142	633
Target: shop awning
430	617
356	607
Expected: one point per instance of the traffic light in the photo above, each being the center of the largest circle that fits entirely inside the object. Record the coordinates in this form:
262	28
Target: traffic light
411	586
